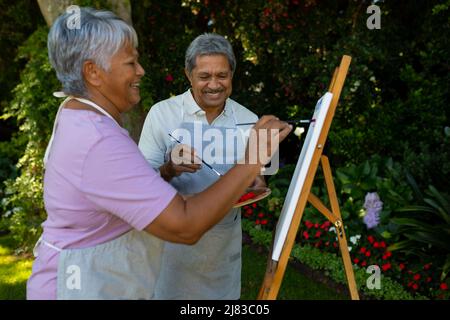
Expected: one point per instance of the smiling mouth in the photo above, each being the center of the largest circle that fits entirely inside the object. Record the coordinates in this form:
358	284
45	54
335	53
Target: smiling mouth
135	85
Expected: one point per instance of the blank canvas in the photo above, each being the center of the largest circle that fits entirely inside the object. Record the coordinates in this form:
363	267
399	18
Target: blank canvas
301	169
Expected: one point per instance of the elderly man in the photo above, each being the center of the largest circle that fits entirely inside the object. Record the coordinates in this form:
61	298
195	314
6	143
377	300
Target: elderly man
211	269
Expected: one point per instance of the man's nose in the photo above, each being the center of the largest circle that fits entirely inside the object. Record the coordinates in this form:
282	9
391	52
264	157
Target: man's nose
214	83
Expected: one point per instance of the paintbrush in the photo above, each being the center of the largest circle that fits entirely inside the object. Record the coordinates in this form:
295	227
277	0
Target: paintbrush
203	161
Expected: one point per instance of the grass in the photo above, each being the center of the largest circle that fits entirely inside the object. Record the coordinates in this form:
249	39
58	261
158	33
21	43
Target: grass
295	286
14	272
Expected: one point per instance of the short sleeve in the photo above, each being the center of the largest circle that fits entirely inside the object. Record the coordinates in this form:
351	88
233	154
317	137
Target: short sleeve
117	179
150	142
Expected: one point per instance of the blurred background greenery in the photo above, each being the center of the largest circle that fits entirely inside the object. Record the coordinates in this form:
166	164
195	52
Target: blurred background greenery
390	134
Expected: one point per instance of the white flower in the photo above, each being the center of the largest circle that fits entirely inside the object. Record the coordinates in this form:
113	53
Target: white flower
355	239
332	229
349	249
298	131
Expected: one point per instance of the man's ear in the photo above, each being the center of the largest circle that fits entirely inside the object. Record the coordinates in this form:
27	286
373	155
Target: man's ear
188	75
92	73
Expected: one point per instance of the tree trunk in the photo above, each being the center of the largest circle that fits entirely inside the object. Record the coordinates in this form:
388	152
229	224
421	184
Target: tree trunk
51	9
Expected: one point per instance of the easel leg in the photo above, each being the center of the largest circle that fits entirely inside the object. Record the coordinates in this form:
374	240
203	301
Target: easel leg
339	228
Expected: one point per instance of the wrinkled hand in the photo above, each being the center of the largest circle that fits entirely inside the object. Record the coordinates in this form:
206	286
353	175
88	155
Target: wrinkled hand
182	158
265	138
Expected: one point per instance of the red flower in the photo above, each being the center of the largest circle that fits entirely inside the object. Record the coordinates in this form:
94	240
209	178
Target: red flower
368	254
305	235
428	279
356	260
415	286
318	234
416	276
316	225
254	205
383	244
327	243
362	250
386	266
401	266
388	254
325	225
376	244
169	78
335	244
260	215
264	221
443	286
363	264
371	239
427	266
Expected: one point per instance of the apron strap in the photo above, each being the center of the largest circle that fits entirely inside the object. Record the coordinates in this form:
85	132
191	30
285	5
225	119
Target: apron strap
48	244
55	124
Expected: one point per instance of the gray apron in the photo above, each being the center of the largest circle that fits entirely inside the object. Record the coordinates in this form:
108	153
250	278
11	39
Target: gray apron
210	269
124	268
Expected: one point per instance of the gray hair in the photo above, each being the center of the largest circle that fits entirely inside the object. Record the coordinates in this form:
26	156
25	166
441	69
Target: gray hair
97	37
209	44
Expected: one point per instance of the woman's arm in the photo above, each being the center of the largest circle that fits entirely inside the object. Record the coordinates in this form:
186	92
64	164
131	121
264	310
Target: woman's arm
185	221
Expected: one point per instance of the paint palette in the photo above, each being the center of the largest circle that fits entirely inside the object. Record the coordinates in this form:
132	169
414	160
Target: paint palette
252	195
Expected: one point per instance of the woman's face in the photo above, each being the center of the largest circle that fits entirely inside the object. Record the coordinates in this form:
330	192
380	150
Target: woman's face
120	85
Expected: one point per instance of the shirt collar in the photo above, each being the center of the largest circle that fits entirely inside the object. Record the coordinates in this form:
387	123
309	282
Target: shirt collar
191	106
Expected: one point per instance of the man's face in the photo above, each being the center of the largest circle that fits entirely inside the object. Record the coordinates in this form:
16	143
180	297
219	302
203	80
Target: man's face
211	81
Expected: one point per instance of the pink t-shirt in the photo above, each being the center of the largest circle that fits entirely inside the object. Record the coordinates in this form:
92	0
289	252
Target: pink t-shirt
97	186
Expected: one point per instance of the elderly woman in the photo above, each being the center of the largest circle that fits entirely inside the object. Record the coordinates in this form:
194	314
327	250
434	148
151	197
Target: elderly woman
107	208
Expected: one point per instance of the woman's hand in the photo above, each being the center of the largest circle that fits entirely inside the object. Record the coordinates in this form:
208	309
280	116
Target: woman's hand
265	138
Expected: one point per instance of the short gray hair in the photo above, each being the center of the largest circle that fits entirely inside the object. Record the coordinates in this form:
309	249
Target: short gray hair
209	44
98	36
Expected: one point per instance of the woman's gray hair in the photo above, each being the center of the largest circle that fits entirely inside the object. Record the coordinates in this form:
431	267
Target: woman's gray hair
97	36
209	44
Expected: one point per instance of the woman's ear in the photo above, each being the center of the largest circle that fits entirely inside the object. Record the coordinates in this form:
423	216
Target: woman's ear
92	73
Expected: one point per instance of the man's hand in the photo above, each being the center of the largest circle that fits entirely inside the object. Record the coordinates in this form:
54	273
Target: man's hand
182	158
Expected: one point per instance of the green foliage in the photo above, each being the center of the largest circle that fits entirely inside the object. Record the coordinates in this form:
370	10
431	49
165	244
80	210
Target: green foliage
333	267
34	107
424	229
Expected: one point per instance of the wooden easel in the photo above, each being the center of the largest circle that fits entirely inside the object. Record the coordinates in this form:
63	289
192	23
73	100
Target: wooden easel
275	269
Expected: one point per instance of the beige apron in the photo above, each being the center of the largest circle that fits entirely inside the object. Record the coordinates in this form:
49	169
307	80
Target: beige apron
210	269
